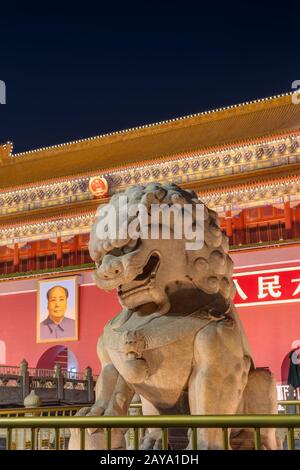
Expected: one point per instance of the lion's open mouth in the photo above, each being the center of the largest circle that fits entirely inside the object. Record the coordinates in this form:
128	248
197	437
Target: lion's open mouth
149	268
142	279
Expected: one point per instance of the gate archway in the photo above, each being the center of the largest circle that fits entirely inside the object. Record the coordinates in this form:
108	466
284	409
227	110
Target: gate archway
58	354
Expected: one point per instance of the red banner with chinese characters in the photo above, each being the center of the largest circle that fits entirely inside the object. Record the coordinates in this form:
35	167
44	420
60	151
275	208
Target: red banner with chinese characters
271	286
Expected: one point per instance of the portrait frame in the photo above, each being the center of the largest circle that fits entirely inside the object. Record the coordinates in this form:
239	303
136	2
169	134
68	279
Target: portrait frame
72	313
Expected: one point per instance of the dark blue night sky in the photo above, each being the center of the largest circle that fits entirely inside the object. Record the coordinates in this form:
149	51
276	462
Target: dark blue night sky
83	70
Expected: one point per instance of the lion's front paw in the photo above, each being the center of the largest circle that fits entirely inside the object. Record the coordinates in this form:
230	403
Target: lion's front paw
94	437
152	440
82	412
95	410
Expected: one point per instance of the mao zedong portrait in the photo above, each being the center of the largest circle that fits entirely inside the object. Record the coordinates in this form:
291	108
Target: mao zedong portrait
57	325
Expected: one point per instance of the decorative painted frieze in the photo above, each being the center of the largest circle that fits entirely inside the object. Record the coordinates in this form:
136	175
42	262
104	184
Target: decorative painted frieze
253	195
180	169
39	230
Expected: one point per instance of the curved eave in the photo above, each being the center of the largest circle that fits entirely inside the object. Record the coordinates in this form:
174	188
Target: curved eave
237	125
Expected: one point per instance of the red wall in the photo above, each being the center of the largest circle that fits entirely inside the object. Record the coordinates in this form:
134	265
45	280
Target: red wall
271	328
18	326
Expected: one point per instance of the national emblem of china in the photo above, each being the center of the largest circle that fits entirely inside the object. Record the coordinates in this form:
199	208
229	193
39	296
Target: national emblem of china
98	186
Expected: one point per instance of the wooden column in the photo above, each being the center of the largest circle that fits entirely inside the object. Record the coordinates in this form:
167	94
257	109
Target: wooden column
58	252
34	255
239	229
228	220
297	221
16	258
288	219
243	225
76	246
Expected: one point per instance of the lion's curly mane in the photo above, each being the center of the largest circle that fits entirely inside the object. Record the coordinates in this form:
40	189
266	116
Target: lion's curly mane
211	266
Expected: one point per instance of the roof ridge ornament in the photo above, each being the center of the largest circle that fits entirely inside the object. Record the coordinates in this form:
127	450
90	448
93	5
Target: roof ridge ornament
5	152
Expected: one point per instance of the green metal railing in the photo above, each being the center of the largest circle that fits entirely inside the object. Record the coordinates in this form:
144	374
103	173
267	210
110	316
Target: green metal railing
49	434
290	406
107	423
44	438
41	411
70	410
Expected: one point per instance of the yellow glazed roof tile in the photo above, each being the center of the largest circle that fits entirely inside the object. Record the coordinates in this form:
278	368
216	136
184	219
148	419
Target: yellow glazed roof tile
218	128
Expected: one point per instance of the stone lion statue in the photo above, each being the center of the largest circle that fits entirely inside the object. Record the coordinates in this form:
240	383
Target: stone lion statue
178	342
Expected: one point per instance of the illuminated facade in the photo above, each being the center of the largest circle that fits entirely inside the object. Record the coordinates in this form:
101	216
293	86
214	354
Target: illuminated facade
243	161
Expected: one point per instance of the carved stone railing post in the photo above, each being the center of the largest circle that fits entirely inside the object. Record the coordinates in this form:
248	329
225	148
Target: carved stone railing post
25	382
60	381
89	384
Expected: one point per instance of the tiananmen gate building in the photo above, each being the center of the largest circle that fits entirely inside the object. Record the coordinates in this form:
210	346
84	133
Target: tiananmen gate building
243	161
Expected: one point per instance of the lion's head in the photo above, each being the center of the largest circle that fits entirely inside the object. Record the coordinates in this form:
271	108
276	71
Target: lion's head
147	270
